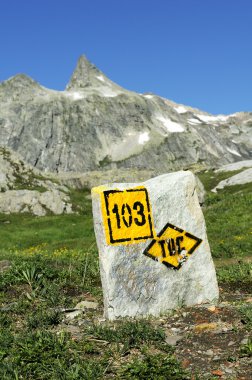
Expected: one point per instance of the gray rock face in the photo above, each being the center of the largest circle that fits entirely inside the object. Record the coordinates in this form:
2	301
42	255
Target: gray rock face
24	189
134	284
235	166
97	125
200	190
15	201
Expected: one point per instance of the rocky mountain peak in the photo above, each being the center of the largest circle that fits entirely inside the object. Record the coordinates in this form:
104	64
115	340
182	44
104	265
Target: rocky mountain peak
20	81
97	125
85	75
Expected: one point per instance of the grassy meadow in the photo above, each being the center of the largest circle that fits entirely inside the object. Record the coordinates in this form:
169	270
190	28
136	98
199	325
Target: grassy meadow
52	264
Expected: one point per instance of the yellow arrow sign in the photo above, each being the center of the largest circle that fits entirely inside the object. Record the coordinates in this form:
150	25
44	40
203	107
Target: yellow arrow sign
172	246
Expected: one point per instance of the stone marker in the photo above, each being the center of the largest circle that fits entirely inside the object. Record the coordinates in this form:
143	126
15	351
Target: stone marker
153	249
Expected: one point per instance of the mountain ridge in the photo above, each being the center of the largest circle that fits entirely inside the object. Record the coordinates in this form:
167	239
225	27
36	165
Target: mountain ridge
94	124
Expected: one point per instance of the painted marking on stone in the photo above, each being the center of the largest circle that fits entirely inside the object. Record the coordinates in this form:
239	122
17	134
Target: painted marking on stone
127	215
172	246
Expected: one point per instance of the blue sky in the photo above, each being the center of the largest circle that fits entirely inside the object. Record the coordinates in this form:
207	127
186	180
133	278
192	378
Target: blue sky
195	52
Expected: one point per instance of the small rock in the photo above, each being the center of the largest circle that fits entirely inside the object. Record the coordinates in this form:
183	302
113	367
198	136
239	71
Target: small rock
85	322
72	329
211	308
228	370
175	330
4	265
184	314
6	222
216	358
209	353
231	343
218	331
86	305
223	328
73	314
172	340
101	320
224	303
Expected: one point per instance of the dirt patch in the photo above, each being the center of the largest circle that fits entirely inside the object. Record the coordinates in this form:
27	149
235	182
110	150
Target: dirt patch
207	340
212	339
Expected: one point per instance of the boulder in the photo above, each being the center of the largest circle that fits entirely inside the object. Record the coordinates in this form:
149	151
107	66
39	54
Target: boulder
25	189
235	166
153	248
200	190
237	179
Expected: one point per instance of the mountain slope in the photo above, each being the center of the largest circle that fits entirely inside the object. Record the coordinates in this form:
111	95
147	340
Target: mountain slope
95	125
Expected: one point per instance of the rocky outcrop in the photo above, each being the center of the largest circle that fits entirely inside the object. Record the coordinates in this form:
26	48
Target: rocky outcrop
34	202
235	166
24	189
96	125
238	179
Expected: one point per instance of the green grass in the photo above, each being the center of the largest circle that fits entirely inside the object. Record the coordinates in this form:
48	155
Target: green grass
38	284
246	312
68	230
27	181
246	349
80	199
34	344
154	367
228	217
132	333
210	179
237	273
229	224
46	355
24	230
54	264
43	271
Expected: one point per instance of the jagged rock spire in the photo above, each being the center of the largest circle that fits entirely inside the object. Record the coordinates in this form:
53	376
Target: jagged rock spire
84	75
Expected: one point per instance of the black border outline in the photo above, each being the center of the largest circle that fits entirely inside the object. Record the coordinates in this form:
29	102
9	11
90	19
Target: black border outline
106	196
198	242
171	226
168	265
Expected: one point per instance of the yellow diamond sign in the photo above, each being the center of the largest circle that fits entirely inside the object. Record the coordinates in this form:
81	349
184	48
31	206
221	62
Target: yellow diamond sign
172	246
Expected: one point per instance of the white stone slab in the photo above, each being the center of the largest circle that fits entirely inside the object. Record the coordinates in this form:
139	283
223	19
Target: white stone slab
135	285
235	166
237	179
